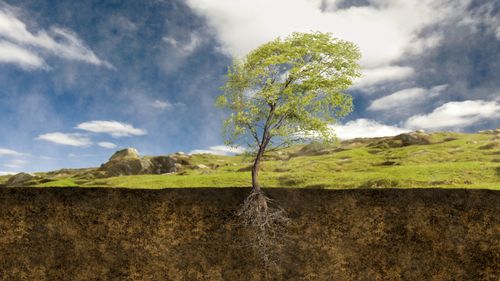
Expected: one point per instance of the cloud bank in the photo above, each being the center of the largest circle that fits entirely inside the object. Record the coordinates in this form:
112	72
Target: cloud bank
385	30
456	115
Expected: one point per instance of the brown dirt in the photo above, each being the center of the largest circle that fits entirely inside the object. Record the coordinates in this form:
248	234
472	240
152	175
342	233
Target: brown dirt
188	234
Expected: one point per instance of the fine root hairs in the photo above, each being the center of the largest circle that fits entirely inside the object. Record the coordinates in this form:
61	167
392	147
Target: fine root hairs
265	223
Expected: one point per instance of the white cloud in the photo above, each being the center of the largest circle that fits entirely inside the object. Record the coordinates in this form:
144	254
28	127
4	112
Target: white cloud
14	54
16	163
109	145
9	152
5	173
185	48
373	76
27	48
384	31
219	150
365	128
114	128
66	139
456	115
406	98
178	48
160	104
164	104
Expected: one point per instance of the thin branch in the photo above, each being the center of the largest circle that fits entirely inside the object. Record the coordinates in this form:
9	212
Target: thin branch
253	132
280	122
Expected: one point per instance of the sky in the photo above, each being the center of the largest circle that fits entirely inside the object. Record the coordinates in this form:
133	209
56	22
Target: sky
82	79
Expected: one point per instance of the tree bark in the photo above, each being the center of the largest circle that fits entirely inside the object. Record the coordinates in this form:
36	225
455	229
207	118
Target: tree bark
256	165
261	200
255	171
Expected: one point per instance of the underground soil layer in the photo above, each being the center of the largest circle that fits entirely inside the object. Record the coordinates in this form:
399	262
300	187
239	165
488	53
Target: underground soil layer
193	234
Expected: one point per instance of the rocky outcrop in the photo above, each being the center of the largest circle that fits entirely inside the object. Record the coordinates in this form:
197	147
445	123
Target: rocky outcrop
413	138
125	154
20	179
128	162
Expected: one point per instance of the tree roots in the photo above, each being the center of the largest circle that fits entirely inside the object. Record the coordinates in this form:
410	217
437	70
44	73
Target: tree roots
265	223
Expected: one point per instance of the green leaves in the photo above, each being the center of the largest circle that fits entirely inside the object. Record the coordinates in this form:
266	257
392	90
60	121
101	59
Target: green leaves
288	87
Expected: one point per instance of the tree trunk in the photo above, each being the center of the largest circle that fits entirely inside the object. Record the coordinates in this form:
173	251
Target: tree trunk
255	172
257	193
256	165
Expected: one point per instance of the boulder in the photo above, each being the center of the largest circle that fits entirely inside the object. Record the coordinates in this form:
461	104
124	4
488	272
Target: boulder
200	166
182	159
162	165
179	167
413	138
20	179
124	167
128	162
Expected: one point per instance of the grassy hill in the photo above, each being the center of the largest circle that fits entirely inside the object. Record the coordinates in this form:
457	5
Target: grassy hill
442	159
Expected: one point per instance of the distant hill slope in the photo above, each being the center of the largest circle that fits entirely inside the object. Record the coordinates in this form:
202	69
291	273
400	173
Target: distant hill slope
418	159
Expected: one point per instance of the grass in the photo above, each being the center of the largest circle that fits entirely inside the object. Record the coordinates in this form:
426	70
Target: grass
3	179
454	160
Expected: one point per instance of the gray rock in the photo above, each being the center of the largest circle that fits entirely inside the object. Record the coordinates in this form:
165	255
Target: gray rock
179	167
200	166
413	138
162	165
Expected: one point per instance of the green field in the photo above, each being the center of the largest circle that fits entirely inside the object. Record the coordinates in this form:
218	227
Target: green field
452	160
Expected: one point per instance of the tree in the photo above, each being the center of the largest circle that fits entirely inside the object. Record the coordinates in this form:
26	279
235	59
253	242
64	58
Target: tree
287	90
280	93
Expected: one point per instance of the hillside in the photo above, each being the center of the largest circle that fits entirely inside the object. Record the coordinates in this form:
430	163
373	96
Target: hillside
441	159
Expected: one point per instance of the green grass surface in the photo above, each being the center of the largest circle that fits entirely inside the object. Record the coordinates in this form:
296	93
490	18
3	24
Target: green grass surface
3	179
453	161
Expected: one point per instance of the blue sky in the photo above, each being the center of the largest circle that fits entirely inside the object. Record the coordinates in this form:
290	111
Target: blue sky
80	79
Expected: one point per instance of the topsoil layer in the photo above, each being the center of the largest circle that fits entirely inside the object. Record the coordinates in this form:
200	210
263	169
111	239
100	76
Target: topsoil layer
192	234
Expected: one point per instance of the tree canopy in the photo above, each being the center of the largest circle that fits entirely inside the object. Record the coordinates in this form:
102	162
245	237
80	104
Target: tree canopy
289	89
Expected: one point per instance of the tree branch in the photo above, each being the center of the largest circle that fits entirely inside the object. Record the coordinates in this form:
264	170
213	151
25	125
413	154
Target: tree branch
253	132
